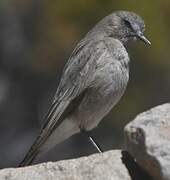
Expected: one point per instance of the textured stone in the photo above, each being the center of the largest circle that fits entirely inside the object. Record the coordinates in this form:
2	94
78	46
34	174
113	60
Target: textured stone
107	166
148	141
147	152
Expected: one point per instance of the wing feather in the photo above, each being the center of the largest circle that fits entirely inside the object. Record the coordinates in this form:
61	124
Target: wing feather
75	78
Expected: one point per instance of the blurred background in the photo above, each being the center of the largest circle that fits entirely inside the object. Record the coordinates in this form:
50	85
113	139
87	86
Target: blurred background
36	39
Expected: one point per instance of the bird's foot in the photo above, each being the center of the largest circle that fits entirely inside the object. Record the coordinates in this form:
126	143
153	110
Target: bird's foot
91	139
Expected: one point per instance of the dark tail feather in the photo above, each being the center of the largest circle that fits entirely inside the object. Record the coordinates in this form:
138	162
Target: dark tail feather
29	158
32	153
54	118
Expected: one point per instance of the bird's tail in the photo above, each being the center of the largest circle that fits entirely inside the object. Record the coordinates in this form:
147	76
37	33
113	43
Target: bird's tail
53	122
29	158
67	128
60	125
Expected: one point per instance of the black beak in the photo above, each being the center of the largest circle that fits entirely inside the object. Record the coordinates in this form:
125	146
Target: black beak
143	38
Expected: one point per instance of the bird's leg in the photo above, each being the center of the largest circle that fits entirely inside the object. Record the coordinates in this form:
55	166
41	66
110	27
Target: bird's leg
96	145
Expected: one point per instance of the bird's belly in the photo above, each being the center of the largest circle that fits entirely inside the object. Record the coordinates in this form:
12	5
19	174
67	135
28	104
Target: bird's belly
107	89
110	79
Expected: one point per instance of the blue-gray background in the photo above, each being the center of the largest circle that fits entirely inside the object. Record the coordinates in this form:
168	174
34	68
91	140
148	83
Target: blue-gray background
36	38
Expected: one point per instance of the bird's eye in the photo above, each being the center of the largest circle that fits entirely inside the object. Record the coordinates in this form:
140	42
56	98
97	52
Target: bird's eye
127	23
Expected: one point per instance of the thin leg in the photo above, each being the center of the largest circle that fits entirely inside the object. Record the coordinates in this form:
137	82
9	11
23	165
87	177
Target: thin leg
96	145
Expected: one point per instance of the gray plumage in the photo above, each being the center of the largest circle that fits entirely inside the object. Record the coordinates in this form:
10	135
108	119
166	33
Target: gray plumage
93	81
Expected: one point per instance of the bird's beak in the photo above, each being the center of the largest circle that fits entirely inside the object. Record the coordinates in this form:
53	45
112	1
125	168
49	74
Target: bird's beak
143	38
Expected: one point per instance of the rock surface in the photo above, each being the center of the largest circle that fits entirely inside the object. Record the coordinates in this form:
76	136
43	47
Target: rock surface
148	141
106	166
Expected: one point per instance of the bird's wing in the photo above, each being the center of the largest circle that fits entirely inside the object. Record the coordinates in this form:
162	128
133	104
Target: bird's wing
75	78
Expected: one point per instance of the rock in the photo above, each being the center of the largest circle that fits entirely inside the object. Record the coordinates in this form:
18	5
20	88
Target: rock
107	166
146	157
148	141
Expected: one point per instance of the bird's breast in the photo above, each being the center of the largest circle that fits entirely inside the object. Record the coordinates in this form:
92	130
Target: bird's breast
112	75
109	83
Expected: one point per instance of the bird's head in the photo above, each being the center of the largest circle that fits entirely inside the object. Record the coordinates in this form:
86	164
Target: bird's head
125	26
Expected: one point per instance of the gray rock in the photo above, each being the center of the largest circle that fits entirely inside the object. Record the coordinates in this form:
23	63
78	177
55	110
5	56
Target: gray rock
107	166
148	141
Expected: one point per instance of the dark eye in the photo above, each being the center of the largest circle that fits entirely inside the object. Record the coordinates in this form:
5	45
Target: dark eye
128	24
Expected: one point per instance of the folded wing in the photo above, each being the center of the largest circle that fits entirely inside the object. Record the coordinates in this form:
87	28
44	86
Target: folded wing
76	77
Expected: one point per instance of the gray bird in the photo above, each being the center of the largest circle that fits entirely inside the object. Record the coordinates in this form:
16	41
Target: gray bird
93	81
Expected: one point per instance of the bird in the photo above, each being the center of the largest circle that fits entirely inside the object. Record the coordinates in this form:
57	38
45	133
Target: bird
92	82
